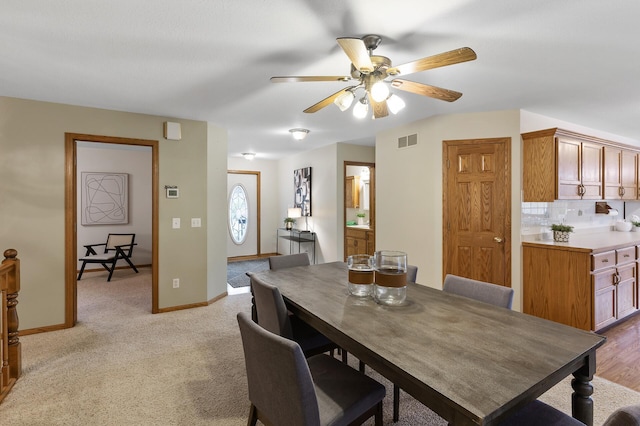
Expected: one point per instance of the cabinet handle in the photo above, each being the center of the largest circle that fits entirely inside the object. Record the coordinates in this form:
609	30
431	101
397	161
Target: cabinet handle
605	260
621	191
616	279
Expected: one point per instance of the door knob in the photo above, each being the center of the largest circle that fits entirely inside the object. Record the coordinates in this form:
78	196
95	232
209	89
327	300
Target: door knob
497	239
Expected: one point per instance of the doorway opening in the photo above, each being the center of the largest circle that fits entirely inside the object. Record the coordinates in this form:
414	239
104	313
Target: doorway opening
71	217
359	219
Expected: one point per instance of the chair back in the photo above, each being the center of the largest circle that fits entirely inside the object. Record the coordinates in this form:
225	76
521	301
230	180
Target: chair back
625	416
412	274
114	240
270	308
479	290
278	376
288	261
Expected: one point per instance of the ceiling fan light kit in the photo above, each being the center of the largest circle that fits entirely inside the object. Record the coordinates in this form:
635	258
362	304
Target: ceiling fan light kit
361	108
299	134
344	100
371	73
395	103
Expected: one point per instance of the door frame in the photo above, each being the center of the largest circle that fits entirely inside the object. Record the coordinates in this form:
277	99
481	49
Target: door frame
372	199
71	219
506	196
258	207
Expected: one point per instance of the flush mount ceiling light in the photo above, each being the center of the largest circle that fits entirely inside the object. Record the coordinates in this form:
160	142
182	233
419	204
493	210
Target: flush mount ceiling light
299	134
249	155
375	74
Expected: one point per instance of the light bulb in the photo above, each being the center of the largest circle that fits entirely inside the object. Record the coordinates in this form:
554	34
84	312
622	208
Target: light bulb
379	91
361	109
299	134
395	104
344	100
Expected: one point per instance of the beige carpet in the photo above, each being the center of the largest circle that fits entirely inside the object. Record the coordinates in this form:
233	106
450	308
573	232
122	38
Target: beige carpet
121	365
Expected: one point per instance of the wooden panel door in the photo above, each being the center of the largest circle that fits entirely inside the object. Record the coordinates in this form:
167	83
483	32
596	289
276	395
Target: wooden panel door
476	221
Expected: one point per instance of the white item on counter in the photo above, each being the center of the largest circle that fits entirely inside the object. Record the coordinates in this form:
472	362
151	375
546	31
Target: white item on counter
623	226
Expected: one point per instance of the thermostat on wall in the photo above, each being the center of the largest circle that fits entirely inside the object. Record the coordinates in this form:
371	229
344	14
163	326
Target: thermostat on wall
172	191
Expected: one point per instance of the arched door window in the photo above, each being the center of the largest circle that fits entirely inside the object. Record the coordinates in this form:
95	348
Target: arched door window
238	214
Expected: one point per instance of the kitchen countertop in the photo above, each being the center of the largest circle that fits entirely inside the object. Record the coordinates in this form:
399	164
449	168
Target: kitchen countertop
365	227
592	242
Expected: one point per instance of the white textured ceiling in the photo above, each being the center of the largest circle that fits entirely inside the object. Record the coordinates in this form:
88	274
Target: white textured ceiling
574	60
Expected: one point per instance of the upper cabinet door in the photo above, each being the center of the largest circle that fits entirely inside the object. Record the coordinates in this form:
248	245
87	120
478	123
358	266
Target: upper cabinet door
620	174
629	174
569	169
591	171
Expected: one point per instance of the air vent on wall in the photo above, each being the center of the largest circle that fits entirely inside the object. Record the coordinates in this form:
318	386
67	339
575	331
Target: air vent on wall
407	141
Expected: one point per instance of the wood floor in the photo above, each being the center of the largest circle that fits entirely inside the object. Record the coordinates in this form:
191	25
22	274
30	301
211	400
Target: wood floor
618	360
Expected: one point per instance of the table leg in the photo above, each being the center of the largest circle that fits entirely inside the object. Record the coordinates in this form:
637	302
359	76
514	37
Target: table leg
581	402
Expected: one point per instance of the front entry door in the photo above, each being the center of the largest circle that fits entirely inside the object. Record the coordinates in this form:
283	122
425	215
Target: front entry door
245	223
477	209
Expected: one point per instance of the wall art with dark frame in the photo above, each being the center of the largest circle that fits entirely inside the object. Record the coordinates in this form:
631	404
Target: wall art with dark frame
302	190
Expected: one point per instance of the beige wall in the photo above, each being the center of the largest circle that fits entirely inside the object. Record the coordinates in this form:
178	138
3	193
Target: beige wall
327	190
409	188
32	189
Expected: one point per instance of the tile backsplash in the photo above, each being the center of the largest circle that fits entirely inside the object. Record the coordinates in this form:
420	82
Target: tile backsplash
538	217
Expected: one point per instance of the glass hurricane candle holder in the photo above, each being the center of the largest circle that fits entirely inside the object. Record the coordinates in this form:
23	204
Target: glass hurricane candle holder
361	274
390	286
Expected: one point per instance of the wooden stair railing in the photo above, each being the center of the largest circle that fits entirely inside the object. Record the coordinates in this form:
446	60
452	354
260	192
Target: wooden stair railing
10	350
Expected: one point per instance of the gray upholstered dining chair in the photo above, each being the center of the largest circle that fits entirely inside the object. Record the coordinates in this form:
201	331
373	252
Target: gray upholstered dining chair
288	261
479	290
287	389
272	315
537	413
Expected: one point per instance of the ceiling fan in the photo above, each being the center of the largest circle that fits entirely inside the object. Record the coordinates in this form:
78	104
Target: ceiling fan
371	73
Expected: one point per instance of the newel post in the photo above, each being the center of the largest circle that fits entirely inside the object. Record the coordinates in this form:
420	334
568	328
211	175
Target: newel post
13	288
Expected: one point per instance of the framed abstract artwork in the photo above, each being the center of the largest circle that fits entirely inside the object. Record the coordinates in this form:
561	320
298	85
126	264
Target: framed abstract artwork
104	198
302	190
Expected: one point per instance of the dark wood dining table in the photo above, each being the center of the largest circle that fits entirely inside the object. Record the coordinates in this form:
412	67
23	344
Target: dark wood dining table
470	362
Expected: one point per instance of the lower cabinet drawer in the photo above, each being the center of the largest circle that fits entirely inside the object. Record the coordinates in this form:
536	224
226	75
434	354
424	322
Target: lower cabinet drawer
603	260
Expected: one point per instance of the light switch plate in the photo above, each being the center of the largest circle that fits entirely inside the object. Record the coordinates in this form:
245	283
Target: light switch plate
175	223
195	222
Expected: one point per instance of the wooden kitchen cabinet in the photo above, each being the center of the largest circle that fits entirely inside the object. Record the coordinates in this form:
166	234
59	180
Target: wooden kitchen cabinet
615	288
620	174
578	287
352	192
359	241
561	165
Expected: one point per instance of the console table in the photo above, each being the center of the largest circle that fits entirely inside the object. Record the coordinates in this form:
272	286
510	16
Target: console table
296	236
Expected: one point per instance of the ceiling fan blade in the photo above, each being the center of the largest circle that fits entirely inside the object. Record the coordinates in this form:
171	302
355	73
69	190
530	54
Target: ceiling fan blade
326	101
426	90
357	53
298	79
463	54
379	108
